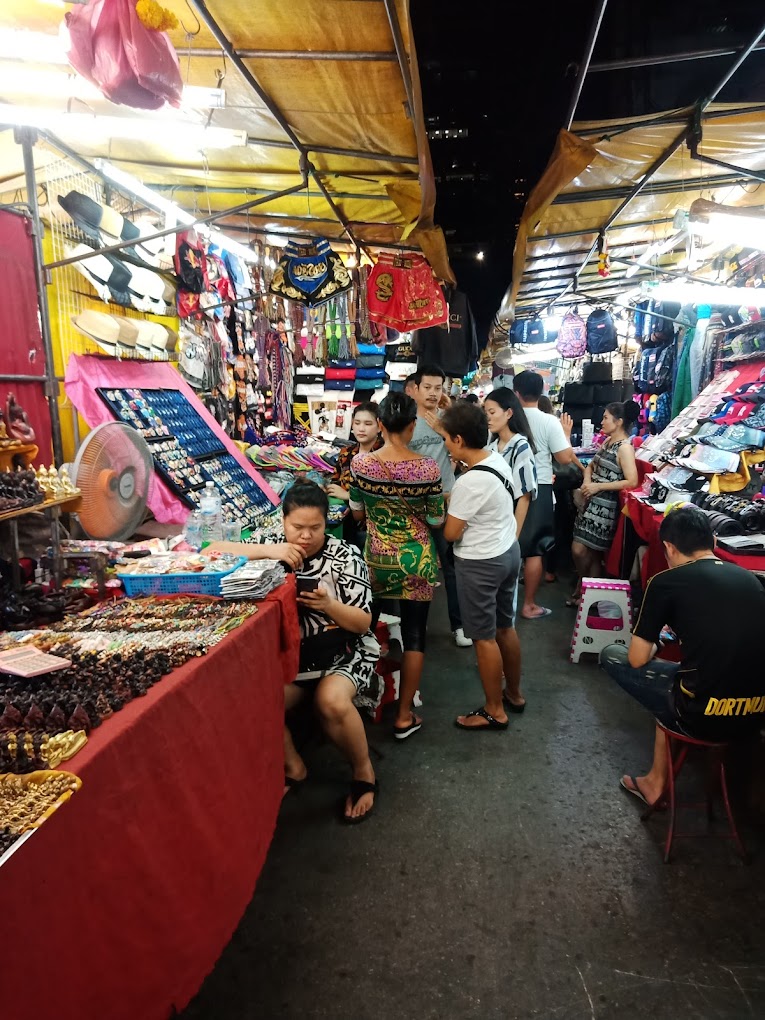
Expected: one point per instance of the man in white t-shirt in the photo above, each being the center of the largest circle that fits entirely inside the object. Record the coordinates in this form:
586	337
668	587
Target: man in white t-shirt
481	523
538	534
428	440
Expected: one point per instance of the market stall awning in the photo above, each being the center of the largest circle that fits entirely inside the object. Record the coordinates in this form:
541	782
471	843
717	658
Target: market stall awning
624	182
330	89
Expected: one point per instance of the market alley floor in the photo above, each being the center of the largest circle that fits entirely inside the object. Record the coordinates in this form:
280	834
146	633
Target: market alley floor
503	875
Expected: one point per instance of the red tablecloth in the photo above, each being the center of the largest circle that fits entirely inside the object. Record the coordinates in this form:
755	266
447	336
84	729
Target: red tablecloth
120	904
646	522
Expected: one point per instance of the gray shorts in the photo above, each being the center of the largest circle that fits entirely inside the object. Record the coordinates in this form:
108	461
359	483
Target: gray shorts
488	591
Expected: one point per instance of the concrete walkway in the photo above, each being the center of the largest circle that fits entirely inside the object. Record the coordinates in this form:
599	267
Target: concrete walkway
503	875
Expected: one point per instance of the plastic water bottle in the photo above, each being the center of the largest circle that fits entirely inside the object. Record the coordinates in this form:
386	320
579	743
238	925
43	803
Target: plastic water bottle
193	530
210	510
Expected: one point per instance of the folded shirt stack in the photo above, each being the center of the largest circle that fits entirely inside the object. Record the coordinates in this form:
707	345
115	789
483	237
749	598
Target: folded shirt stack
309	381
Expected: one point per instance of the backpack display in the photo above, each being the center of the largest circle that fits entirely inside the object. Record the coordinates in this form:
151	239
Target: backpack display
663	413
572	336
534	332
601	332
653	372
658	330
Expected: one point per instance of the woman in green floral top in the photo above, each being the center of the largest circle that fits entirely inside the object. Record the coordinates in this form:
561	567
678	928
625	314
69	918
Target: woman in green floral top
400	495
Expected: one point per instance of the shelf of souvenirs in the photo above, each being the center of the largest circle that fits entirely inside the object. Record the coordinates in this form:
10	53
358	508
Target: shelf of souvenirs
69	502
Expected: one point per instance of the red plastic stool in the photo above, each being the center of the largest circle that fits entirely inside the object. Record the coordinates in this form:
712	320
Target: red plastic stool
714	751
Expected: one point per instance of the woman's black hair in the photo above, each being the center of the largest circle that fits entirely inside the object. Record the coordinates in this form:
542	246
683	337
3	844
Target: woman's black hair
518	423
397	412
469	421
628	412
305	493
368	406
472	398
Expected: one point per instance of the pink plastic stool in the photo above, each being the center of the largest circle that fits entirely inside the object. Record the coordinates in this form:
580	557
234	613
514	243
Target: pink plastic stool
593	634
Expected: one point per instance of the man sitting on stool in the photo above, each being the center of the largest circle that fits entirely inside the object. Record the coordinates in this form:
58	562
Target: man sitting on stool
715	610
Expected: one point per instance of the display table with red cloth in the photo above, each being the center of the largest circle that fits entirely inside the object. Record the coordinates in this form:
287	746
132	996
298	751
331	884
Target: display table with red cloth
118	907
646	521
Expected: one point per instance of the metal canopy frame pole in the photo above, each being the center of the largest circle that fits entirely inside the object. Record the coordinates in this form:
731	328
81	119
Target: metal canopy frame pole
306	167
401	54
178	228
594	230
665	58
366	56
585	64
756	175
660	188
26	138
670	118
659	162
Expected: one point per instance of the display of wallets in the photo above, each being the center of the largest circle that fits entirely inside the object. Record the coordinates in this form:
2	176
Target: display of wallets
186	452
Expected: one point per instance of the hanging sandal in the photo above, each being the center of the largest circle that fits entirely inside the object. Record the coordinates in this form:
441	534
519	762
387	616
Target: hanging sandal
358	789
491	722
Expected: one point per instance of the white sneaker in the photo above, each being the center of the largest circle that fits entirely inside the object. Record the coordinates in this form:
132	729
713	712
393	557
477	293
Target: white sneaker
460	640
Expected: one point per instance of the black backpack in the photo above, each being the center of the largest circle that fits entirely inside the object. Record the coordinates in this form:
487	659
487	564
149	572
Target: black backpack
601	332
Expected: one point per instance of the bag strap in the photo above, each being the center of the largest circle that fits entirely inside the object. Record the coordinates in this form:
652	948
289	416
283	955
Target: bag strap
493	471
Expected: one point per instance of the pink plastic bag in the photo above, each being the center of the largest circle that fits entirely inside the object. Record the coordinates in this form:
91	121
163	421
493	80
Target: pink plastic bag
130	63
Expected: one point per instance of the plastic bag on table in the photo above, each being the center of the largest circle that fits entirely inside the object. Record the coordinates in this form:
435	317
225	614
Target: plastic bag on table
130	63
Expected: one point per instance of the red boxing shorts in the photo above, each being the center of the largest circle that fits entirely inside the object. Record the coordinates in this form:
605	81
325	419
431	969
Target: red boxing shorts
402	293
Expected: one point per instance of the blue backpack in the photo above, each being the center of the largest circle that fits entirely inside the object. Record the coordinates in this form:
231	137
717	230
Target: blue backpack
601	332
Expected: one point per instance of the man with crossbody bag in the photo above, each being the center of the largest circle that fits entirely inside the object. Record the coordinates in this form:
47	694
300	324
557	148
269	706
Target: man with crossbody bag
481	523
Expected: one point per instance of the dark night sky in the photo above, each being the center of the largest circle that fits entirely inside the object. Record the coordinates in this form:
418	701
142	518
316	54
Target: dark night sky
507	79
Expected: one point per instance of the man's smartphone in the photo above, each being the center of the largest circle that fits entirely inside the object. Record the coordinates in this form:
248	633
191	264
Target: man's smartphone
306	584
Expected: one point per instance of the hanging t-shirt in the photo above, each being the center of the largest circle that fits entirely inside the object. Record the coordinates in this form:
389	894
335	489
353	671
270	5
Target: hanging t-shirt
481	500
549	439
716	610
454	345
430	444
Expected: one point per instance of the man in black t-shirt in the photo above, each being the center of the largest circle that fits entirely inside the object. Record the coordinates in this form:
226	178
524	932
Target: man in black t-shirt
715	610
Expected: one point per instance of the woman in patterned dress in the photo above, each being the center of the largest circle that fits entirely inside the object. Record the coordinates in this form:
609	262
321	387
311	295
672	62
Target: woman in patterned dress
400	495
612	469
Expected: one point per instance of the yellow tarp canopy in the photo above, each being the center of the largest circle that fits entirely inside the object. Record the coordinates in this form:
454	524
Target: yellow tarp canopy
350	96
592	171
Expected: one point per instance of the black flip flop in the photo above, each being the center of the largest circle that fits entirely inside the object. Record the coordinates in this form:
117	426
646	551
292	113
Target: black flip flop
402	732
492	723
511	705
359	787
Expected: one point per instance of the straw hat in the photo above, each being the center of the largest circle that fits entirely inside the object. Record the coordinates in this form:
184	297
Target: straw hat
154	336
110	332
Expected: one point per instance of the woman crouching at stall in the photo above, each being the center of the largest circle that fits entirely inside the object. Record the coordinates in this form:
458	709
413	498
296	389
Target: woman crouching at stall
338	652
481	523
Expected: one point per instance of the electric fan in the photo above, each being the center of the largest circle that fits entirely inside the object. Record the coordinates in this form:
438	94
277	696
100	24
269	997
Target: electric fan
114	471
505	357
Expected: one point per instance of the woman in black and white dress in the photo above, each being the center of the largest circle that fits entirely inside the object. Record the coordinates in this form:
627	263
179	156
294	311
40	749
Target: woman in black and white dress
338	651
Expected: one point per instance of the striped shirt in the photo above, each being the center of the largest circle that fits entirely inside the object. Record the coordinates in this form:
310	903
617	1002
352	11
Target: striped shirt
522	463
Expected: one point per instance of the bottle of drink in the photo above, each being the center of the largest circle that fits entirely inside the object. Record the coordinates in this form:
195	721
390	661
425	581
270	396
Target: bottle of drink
193	530
210	509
